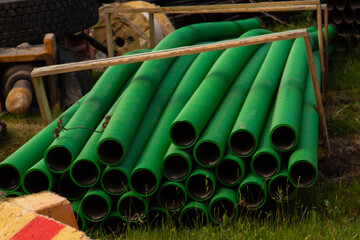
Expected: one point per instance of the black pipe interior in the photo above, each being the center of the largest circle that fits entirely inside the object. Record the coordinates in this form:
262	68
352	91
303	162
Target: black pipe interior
95	207
223	207
265	165
302	173
242	143
337	17
252	195
36	181
229	172
349	15
157	218
200	186
207	153
58	159
330	4
114	225
176	167
85	173
183	134
143	182
110	151
283	138
68	189
340	4
132	208
357	16
193	218
281	188
115	181
9	177
172	197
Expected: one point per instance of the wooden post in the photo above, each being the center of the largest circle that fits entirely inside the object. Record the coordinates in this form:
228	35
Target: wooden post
319	105
321	45
152	30
109	35
42	99
326	22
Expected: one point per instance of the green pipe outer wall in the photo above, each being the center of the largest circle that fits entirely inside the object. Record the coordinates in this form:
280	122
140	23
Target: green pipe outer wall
226	199
258	183
213	141
129	113
81	222
63	152
276	187
175	198
68	189
314	37
38	178
231	170
136	215
96	205
205	189
12	168
176	164
303	161
150	160
201	215
191	121
266	162
248	127
284	130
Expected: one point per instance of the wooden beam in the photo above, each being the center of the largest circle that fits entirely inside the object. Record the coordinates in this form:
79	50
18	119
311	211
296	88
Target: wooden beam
326	38
70	67
321	45
319	105
109	35
42	99
152	30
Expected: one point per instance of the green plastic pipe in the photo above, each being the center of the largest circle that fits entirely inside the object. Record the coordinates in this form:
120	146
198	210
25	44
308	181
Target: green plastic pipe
172	196
127	117
158	216
114	180
132	207
266	162
114	224
223	207
13	167
252	192
96	205
314	37
194	215
12	194
284	130
248	127
176	164
68	189
210	148
280	188
230	171
190	122
201	184
63	151
81	222
37	178
303	165
147	174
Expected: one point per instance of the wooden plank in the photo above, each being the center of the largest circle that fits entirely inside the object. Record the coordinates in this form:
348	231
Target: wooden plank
70	67
42	99
319	105
109	35
152	30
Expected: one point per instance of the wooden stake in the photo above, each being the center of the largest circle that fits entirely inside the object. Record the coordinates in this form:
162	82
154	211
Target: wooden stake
321	45
109	35
326	22
152	30
42	99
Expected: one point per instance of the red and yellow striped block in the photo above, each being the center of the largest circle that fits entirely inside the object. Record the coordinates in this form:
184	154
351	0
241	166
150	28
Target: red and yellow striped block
17	223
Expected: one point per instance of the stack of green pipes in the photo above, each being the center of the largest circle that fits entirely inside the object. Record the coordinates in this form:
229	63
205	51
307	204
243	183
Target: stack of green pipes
191	138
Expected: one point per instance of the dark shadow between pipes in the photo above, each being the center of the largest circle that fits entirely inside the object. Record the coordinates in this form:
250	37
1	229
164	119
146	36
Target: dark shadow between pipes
9	177
114	225
229	172
223	207
176	167
157	218
302	174
85	173
183	134
132	208
143	182
242	143
172	197
265	165
252	195
67	188
114	181
95	207
193	218
283	138
36	181
281	189
110	151
200	187
58	159
207	153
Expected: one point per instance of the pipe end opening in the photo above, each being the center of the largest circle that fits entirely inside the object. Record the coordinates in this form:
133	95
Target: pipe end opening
157	218
36	181
223	208
207	153
242	143
95	207
281	189
176	167
132	208
115	181
58	159
252	195
114	225
85	173
172	197
183	134
200	187
144	182
110	151
283	138
193	218
229	172
302	174
9	178
67	188
265	165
